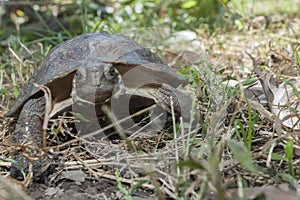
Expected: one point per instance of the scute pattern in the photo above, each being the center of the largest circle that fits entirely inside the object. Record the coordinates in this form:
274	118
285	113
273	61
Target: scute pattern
102	47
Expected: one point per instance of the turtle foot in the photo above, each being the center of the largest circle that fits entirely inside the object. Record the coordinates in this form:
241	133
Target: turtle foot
20	168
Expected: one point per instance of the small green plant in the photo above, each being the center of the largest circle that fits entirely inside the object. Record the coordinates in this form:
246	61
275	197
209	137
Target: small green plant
127	193
297	59
191	74
247	133
16	91
242	154
210	12
291	176
288	158
289	150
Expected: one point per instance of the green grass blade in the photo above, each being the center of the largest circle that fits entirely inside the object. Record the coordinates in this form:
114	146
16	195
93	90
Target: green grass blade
242	154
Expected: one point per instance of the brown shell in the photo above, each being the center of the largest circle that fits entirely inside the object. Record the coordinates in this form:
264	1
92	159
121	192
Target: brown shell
63	60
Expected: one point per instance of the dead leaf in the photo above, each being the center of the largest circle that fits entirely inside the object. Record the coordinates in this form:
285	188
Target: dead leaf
74	175
53	191
286	103
280	192
283	99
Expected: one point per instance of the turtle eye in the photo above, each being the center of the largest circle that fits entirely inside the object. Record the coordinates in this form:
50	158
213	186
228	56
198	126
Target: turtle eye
112	71
79	74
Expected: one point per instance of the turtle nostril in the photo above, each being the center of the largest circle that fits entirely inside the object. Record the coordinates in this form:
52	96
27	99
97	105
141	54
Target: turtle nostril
112	71
95	70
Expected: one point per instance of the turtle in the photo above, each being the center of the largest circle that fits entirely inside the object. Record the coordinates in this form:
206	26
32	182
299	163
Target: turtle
92	69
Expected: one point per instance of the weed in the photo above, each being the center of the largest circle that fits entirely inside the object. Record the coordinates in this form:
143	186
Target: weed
127	193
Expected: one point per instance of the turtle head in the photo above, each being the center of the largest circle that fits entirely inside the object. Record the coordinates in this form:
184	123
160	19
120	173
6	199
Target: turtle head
95	84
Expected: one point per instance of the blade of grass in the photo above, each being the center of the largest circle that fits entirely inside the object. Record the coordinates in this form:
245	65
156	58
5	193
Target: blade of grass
242	154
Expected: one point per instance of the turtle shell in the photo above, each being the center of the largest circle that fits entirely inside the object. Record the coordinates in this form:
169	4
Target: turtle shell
58	68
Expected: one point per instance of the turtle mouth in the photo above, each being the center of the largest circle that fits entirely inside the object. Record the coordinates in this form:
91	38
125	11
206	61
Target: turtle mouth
92	98
93	94
98	88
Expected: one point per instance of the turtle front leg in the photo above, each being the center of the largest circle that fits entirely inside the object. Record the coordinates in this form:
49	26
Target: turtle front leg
28	133
164	94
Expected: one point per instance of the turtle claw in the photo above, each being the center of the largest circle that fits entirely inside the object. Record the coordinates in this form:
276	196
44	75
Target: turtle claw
19	167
